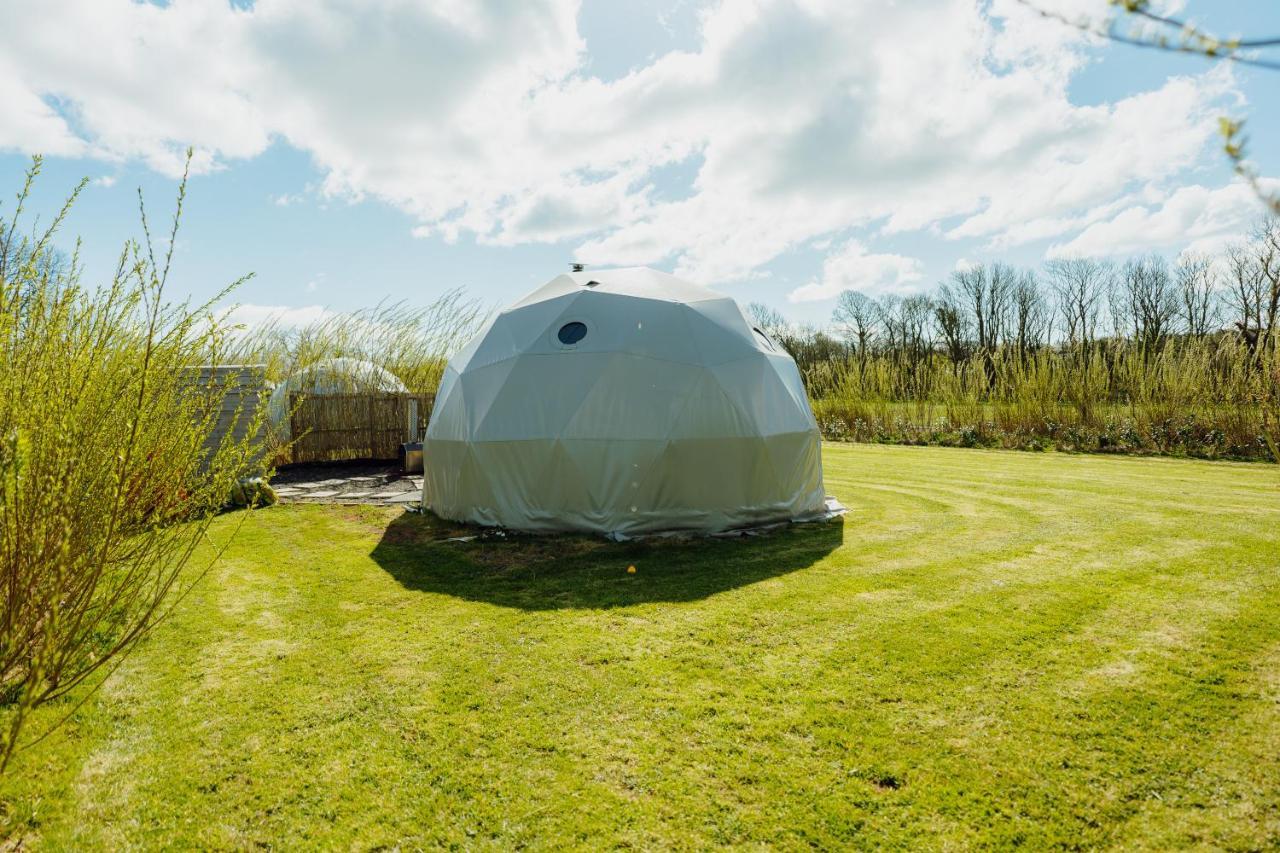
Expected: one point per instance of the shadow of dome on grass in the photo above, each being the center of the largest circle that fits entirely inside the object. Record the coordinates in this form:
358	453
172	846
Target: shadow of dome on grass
583	572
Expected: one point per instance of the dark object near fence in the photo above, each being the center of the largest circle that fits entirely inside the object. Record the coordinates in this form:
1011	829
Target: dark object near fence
330	427
411	457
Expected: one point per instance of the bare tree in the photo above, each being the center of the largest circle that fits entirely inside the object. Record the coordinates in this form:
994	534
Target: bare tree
1030	314
1079	285
1197	282
1266	253
769	320
1139	23
893	335
952	323
1146	299
1246	286
905	322
916	311
984	292
858	317
1120	307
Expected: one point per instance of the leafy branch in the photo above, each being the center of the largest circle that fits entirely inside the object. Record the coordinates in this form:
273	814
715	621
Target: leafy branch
1150	29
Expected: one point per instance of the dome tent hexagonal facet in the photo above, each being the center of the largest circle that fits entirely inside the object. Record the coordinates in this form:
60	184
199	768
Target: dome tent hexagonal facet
622	401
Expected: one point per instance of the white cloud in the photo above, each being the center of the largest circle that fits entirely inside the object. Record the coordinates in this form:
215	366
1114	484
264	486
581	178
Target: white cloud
280	316
852	268
1192	217
105	181
1141	139
810	117
29	122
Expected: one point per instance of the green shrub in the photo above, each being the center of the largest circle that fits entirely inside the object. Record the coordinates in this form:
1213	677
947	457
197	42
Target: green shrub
109	467
1213	397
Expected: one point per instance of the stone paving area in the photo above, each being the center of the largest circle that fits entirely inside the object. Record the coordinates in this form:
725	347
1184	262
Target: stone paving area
347	483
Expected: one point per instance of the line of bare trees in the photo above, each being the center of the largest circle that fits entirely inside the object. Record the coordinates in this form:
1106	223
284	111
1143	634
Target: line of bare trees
1072	304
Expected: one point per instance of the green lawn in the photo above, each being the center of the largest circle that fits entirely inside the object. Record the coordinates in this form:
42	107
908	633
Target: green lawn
993	648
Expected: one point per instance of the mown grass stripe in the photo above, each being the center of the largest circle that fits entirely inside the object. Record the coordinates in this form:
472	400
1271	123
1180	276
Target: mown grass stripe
994	649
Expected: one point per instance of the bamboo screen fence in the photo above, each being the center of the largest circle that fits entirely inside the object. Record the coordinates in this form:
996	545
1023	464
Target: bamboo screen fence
356	426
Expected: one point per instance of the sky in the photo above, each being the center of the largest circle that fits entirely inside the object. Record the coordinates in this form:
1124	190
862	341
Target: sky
349	152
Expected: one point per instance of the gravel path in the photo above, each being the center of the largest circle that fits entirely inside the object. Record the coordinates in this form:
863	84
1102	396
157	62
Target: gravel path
364	484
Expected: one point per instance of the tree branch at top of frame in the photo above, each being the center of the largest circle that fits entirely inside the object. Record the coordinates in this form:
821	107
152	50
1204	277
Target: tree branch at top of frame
1178	35
1165	33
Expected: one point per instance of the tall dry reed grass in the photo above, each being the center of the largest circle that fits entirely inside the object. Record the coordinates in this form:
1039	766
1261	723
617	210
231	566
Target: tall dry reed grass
412	342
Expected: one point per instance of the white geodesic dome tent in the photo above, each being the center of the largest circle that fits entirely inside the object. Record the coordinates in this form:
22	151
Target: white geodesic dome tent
328	377
622	402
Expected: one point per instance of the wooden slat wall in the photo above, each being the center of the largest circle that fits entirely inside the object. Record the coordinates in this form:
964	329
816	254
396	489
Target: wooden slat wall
246	390
331	427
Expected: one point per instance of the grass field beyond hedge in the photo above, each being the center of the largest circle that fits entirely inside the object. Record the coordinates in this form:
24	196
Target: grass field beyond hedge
993	648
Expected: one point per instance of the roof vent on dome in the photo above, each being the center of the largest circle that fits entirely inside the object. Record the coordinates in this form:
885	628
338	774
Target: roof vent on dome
592	283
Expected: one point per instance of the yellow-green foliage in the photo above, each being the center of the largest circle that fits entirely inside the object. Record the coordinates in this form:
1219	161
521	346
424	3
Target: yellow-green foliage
1210	397
108	469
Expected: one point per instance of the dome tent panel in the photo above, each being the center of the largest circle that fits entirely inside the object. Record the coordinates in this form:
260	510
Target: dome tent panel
443	477
659	330
531	326
636	402
495	345
604	330
566	486
518	471
743	474
795	459
787	371
561	285
461	360
449	416
480	387
635	397
720	332
602	479
645	283
756	388
709	412
489	505
539	397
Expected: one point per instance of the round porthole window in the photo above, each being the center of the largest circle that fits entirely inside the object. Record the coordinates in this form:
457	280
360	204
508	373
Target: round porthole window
571	333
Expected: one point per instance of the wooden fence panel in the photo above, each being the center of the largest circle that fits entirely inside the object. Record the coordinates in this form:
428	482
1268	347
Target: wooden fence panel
332	427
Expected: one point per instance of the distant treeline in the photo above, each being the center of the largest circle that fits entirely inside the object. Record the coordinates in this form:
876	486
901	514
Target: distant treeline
1140	356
